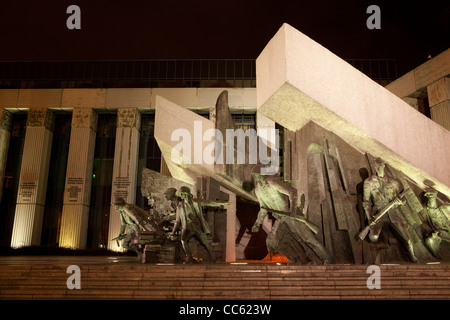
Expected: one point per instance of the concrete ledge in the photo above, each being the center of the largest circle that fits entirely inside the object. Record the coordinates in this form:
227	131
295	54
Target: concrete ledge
170	117
299	81
113	98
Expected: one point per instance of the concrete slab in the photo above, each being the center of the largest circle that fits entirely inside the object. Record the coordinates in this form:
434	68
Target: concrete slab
188	163
299	81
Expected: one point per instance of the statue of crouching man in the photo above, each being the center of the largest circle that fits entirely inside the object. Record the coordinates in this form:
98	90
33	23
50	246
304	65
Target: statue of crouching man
135	222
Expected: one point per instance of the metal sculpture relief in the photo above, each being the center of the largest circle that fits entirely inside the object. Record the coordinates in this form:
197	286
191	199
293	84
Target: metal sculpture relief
439	220
382	198
191	223
292	234
138	228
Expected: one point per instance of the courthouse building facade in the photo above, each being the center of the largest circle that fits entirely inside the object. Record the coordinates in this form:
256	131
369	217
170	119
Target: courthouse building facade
73	135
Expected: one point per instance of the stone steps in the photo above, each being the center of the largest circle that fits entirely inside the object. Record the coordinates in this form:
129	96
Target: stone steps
224	281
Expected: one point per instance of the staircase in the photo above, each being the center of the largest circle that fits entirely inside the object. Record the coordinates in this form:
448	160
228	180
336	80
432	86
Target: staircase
132	280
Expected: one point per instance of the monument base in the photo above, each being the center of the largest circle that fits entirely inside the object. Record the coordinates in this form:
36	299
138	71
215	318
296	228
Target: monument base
127	278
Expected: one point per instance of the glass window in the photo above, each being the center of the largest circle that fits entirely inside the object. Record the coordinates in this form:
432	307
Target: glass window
56	180
149	154
12	175
102	181
244	120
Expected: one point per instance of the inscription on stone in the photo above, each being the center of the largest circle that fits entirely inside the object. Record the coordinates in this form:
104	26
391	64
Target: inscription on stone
27	191
74	187
121	185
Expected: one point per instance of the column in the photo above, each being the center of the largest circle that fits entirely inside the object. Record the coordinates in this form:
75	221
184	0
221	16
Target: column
230	248
5	134
439	101
77	190
125	166
30	203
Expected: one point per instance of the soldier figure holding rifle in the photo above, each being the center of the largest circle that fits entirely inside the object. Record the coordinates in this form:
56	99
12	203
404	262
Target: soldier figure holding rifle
384	191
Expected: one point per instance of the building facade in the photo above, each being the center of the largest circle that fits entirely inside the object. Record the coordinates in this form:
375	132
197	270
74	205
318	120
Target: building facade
76	134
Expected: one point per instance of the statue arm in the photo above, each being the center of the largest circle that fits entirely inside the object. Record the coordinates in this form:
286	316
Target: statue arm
123	224
289	191
259	220
208	203
177	222
367	204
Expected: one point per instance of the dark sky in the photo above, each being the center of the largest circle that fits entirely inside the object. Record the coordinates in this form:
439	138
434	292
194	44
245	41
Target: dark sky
203	29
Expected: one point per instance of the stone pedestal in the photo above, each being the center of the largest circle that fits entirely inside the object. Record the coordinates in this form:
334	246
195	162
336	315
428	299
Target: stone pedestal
439	100
125	169
33	179
5	134
77	191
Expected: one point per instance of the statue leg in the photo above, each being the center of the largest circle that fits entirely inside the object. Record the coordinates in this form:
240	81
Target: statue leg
304	234
433	242
318	249
292	249
126	244
185	236
401	229
286	242
204	241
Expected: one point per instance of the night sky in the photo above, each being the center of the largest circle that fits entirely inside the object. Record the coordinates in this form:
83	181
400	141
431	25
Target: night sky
219	29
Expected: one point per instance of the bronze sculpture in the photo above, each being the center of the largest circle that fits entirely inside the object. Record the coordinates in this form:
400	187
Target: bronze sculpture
383	191
439	220
291	235
189	218
136	223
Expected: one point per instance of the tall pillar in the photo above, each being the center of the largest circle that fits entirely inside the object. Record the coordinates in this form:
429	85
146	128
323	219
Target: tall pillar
126	155
230	247
5	135
439	101
33	178
77	190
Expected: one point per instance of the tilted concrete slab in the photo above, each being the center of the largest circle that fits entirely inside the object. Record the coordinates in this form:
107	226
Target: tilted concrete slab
299	81
170	117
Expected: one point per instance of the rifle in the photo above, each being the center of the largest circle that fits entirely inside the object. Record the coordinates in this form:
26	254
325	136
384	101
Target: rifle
380	214
120	237
310	225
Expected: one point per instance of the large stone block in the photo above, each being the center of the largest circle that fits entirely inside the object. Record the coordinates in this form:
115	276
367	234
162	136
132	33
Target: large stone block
299	81
174	125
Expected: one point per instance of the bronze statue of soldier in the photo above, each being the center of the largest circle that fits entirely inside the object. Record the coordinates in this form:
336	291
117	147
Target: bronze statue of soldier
171	195
383	191
134	220
189	218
